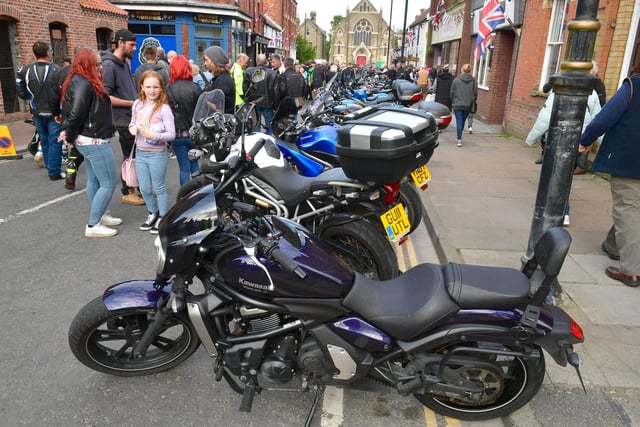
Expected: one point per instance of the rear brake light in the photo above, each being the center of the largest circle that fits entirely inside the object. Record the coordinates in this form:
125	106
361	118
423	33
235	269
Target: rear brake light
576	330
417	97
391	192
446	120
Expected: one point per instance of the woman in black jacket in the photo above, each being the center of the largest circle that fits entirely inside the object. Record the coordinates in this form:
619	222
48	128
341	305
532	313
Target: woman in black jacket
183	96
86	123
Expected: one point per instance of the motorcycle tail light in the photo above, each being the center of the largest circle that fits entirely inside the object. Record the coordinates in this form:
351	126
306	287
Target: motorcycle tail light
576	330
391	192
417	97
446	120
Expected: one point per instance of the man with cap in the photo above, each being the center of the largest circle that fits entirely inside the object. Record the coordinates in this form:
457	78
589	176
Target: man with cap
116	74
216	61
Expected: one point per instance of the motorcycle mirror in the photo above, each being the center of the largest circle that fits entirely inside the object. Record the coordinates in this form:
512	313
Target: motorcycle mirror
289	232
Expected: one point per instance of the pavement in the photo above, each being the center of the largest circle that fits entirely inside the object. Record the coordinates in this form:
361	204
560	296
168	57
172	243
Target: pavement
479	210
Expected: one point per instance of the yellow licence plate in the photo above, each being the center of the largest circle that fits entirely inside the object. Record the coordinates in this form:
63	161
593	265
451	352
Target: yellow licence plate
421	176
395	222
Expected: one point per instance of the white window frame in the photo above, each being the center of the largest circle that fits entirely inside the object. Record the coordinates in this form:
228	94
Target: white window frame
555	40
482	68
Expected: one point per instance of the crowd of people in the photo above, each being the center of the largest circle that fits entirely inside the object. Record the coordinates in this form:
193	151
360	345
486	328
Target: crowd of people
96	96
87	102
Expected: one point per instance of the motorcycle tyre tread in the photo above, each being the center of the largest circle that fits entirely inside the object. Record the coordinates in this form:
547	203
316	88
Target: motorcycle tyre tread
412	204
377	244
535	370
95	314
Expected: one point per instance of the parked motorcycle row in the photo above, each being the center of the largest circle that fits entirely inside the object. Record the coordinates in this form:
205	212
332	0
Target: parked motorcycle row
298	278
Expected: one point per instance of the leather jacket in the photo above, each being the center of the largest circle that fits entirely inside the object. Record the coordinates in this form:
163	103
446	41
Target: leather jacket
84	113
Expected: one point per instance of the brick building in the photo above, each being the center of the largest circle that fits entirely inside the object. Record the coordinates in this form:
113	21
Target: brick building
526	52
315	35
22	23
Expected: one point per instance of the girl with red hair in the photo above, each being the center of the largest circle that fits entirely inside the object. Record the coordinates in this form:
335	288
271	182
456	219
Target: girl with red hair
86	123
183	95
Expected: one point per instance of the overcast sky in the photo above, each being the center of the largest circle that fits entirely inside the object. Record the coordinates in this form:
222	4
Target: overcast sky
327	9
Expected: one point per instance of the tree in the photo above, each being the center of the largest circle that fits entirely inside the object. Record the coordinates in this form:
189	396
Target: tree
304	49
336	20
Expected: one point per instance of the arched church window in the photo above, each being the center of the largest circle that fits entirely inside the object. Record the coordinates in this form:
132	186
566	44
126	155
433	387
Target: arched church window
362	32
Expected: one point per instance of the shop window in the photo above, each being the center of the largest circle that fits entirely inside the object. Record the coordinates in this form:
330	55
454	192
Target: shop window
555	40
483	68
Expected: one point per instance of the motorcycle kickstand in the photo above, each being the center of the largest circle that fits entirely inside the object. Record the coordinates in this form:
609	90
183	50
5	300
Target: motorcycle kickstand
318	392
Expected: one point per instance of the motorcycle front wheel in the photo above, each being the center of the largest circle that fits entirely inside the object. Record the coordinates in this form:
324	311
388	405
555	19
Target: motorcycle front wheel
104	340
505	389
412	203
363	248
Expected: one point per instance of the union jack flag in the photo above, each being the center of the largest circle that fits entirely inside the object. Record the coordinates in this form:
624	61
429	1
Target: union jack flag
436	17
410	36
492	15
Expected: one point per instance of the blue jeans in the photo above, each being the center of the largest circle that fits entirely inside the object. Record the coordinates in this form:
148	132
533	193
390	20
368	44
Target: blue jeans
101	178
49	131
264	121
151	167
188	167
461	117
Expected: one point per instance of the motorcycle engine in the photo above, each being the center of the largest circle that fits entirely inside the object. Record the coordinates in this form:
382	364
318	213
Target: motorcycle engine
279	365
312	359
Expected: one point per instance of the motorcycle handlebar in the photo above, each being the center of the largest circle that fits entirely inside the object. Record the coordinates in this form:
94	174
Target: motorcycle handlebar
272	251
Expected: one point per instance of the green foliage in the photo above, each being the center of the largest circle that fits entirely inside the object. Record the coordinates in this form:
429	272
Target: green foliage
304	49
336	20
328	49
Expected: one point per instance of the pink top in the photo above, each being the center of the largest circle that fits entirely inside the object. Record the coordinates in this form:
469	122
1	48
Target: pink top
161	122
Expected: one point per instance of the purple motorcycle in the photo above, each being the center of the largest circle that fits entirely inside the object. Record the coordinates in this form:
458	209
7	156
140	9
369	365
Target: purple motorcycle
277	302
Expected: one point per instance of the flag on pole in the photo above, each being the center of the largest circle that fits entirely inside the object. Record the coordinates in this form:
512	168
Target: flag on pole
410	36
492	15
437	17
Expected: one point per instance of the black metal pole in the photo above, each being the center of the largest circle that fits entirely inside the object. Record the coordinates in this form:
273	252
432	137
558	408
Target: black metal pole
571	87
389	55
404	30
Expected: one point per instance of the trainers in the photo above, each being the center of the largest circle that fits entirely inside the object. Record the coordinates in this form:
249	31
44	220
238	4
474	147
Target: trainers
132	199
566	221
109	220
150	222
470	130
99	230
458	143
154	229
539	160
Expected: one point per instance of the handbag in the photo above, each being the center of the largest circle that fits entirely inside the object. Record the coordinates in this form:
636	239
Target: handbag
474	107
129	174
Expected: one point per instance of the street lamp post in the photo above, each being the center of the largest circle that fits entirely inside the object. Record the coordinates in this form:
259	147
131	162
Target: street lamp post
404	30
571	87
389	56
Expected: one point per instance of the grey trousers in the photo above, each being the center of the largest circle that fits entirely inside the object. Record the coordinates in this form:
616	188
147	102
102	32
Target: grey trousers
625	193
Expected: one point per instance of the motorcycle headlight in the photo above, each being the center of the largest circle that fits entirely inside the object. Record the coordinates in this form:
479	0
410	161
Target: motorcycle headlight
160	256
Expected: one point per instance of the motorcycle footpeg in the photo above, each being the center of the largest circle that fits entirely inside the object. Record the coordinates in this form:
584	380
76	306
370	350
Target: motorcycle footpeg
249	393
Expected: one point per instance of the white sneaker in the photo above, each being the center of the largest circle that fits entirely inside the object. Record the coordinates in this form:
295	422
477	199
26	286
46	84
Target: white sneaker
459	143
470	130
99	230
566	221
109	220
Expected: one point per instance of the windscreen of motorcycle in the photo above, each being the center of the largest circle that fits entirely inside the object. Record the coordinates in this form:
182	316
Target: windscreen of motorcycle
184	227
208	103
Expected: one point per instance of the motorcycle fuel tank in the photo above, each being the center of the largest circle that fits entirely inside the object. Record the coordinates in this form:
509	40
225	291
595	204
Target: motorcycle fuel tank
327	275
320	139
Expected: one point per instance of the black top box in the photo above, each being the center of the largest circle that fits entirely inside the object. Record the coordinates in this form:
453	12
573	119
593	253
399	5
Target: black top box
383	144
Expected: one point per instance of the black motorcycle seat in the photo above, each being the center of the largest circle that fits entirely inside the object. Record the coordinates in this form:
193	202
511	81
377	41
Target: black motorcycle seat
475	286
293	187
405	306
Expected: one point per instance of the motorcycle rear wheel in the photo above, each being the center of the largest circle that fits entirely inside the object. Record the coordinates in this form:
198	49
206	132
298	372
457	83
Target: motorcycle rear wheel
363	248
103	340
412	203
504	392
